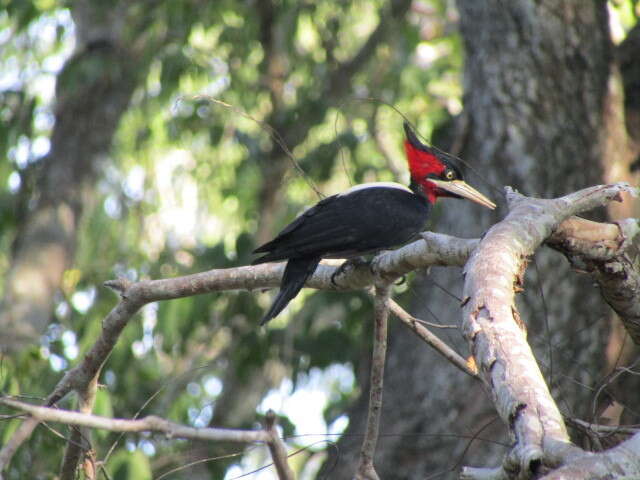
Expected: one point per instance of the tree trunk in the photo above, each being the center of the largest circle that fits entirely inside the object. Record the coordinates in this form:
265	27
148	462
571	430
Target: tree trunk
536	88
93	91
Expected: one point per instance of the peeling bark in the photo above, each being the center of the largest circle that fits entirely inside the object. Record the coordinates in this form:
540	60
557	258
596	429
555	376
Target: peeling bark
497	337
535	86
600	250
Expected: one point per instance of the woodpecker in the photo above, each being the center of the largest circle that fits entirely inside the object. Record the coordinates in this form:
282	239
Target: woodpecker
365	219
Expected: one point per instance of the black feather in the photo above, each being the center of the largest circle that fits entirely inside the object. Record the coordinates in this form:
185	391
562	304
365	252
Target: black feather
362	220
296	273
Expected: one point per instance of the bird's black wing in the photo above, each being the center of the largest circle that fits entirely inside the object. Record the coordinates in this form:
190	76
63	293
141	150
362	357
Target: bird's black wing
366	219
318	228
296	224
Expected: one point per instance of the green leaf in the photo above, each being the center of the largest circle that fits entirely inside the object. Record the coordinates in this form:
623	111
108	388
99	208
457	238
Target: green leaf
129	466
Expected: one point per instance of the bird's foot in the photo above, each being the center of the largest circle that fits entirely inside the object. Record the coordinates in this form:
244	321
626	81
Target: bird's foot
347	266
378	272
374	265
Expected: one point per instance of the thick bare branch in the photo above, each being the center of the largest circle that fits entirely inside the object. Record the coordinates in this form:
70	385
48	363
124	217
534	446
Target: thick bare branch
600	250
365	469
497	336
620	462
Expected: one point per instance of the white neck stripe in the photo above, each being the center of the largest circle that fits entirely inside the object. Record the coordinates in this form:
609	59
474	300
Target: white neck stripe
362	186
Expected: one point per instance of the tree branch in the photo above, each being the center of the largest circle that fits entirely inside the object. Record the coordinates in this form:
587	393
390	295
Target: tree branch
277	448
536	219
147	424
80	441
603	429
440	250
600	250
620	462
365	469
156	424
432	340
497	336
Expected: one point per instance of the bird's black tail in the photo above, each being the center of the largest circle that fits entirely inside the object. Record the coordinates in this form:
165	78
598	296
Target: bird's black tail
296	273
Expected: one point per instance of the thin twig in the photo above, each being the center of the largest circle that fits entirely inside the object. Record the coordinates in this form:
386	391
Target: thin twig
432	340
604	429
80	442
365	469
277	448
198	462
147	424
269	435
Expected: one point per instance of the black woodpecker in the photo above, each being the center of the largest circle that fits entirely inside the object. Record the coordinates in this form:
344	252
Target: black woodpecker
364	219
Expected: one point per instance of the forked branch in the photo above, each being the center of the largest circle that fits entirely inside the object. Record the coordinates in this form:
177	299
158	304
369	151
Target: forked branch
599	249
497	336
490	318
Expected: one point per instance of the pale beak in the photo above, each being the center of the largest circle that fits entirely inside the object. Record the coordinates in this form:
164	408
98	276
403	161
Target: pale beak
463	189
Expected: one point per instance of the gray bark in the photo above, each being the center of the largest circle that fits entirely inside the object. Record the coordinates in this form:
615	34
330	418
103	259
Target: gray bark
535	88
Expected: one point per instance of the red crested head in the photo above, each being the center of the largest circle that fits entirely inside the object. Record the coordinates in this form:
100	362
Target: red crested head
423	160
434	174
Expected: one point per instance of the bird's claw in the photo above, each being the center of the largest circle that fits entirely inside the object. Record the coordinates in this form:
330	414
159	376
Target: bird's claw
349	264
333	277
373	265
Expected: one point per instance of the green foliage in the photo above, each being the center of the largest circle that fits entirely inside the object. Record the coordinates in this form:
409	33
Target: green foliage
183	186
129	466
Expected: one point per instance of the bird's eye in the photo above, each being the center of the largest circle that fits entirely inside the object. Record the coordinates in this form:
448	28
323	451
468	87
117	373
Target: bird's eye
449	175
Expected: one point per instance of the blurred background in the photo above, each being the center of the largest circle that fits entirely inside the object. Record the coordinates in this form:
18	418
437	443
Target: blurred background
151	139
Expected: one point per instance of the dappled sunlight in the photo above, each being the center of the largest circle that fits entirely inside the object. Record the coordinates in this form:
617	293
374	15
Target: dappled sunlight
305	405
166	140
